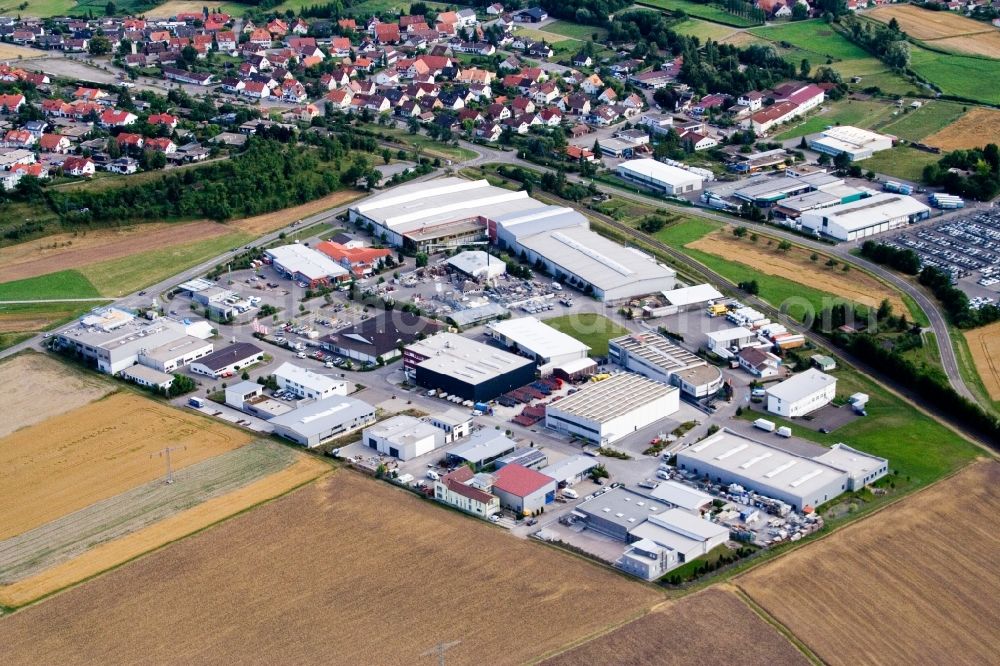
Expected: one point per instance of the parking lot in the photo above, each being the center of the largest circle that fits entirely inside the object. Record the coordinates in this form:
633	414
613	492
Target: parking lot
965	246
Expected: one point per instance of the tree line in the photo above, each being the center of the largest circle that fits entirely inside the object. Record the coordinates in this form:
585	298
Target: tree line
977	174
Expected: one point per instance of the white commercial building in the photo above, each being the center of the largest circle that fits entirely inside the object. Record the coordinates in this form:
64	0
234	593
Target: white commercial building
506	229
802	393
306	265
308	384
478	265
727	457
148	377
570	471
682	299
547	346
654	356
682	496
594	264
403	437
175	354
319	421
660	177
728	341
858	144
865	217
606	411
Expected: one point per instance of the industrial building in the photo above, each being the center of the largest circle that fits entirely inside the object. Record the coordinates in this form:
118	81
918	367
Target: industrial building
530	337
249	397
660	177
800	481
802	393
654	356
529	457
505	230
148	377
482	449
379	336
596	265
681	299
477	265
856	143
319	421
403	437
305	265
466	368
570	471
865	217
524	491
454	423
680	496
173	355
229	360
728	341
608	410
308	384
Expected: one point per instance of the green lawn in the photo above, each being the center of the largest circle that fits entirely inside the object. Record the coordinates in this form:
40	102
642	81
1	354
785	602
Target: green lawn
934	115
64	284
703	30
118	277
901	162
813	36
962	76
427	144
708	12
858	113
19	321
576	30
591	329
680	234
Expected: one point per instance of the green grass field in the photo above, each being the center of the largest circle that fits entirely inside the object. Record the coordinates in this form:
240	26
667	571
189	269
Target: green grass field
20	321
901	162
576	30
703	30
118	277
428	145
64	284
591	329
680	234
712	13
813	36
929	118
967	77
858	113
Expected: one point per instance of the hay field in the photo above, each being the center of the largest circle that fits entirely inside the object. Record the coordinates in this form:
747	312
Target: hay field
262	224
172	8
974	129
34	375
343	570
984	345
983	44
106	555
928	25
702	628
15	52
795	265
914	583
96	451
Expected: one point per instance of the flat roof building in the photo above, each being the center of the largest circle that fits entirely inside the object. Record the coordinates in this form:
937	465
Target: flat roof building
856	143
526	457
175	354
656	357
571	470
483	448
608	410
682	497
379	336
865	217
505	230
522	490
403	437
478	265
228	360
317	422
728	457
308	384
303	264
466	368
148	377
533	338
660	177
802	393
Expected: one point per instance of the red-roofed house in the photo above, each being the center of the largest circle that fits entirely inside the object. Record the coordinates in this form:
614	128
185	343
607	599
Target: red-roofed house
11	103
162	145
523	490
54	143
454	489
117	118
387	33
163	119
78	166
18	138
130	140
89	94
260	37
359	260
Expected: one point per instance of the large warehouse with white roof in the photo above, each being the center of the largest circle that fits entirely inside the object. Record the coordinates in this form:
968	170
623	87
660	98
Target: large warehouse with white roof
304	264
728	457
656	357
550	348
865	217
857	143
660	177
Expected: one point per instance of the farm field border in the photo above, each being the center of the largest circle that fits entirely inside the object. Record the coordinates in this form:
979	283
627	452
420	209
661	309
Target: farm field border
707	12
972	130
983	345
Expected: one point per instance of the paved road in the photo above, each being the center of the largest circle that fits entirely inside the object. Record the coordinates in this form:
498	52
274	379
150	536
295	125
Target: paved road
57	300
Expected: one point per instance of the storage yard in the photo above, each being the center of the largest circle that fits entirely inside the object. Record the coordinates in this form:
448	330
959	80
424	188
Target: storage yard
304	566
922	584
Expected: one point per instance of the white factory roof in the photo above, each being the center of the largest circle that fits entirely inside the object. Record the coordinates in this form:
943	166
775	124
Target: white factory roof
850	460
307	378
129	337
657	350
478	264
681	495
403	429
107	319
307	261
727	334
470	361
576	365
604	263
688	524
613	397
176	348
538	337
482	445
570	467
852	137
801	385
874	210
141	372
322	415
534	221
655	170
810	200
762	466
698	293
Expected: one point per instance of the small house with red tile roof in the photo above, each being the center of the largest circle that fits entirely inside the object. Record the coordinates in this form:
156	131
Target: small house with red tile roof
523	490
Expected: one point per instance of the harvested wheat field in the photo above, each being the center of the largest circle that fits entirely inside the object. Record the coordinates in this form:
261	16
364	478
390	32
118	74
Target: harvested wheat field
914	583
974	129
928	25
796	266
699	629
345	570
97	451
63	386
984	344
983	44
13	52
105	555
172	8
262	224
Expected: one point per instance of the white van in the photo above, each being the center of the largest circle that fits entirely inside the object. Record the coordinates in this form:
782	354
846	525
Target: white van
557	286
663	474
432	475
570	493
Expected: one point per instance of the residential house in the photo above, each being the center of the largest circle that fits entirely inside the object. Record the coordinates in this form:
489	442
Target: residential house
78	166
759	363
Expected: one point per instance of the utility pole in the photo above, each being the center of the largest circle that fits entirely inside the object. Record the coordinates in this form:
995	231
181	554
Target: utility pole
165	453
439	650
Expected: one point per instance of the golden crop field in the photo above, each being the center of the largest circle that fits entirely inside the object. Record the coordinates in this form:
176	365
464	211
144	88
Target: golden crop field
924	24
30	375
795	265
10	52
699	629
984	345
914	583
97	451
345	570
973	129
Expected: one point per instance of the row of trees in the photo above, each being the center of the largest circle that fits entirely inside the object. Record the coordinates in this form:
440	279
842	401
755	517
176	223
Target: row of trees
977	176
903	260
886	42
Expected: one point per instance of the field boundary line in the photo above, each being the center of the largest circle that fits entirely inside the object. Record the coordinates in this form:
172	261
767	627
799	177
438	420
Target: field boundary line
762	613
596	635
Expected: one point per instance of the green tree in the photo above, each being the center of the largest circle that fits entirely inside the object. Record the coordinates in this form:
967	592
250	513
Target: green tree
421	259
110	9
99	45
